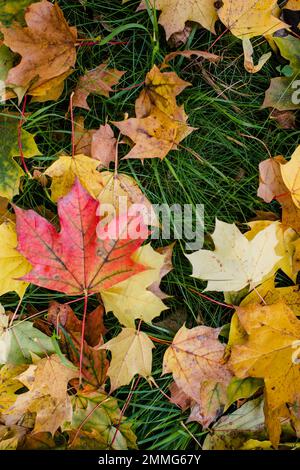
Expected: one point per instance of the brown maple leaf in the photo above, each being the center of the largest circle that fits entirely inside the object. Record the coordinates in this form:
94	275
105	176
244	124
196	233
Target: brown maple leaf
98	81
46	45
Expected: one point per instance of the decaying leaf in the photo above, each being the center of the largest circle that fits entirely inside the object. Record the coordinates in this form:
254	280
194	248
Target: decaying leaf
160	124
82	257
98	81
195	360
231	431
47	396
131	354
46	45
236	261
161	90
248	59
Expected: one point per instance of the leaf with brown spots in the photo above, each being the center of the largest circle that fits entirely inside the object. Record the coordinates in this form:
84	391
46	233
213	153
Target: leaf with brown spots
155	135
46	45
195	359
269	351
98	81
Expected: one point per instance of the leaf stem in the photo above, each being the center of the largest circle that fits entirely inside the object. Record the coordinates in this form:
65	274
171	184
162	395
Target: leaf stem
72	124
222	304
82	337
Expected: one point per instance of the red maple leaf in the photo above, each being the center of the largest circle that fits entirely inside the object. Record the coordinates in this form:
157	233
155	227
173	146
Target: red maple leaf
83	257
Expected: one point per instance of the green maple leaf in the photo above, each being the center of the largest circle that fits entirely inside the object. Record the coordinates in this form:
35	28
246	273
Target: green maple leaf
10	171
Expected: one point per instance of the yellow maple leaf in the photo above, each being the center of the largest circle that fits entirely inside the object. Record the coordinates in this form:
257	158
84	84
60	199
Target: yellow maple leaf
290	172
131	354
13	265
65	170
132	298
251	18
175	13
270	352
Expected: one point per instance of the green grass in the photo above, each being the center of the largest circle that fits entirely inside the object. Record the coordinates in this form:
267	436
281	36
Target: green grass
225	181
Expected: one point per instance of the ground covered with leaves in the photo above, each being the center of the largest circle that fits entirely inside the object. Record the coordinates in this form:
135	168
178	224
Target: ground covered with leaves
107	338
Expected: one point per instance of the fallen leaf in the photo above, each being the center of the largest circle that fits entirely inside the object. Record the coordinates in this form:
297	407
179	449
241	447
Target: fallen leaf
46	45
195	360
11	437
188	54
49	90
47	396
65	170
98	423
155	135
178	39
98	81
271	184
178	397
104	146
175	13
284	119
121	193
13	10
248	57
133	298
131	354
251	18
285	247
236	261
231	431
9	385
69	328
290	172
268	294
12	264
21	340
80	258
268	353
283	92
161	89
82	137
10	171
242	388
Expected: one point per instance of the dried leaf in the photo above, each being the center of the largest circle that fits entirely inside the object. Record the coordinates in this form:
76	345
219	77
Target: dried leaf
98	81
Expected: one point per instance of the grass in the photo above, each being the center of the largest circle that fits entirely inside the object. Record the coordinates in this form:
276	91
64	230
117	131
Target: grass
232	137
